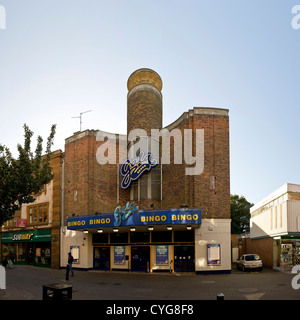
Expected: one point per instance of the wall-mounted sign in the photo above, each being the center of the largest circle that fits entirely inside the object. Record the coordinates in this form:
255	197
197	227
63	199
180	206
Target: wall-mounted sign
21	223
123	213
213	254
139	218
132	169
32	236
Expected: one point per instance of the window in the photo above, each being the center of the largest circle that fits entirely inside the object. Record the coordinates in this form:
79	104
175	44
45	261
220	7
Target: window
161	236
119	237
12	223
184	236
139	237
100	237
38	214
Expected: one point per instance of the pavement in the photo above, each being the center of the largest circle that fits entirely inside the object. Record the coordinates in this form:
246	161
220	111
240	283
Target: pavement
25	283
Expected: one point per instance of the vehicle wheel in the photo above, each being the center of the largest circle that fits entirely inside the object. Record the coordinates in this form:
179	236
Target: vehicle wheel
261	269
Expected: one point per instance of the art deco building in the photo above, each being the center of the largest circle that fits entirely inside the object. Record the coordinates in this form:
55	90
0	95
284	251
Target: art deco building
156	199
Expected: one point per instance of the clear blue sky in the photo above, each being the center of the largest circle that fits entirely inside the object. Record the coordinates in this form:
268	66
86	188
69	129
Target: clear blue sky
62	57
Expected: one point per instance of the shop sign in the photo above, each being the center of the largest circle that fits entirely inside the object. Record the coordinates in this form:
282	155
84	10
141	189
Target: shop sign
22	236
35	236
139	218
21	223
133	169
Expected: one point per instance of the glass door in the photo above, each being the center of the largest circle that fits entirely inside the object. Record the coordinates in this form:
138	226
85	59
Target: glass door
140	258
102	258
184	258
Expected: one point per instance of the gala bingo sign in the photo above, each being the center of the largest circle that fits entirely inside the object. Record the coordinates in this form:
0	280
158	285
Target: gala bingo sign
129	215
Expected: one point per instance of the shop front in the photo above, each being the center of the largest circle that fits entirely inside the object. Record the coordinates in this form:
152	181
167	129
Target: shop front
144	241
27	247
288	251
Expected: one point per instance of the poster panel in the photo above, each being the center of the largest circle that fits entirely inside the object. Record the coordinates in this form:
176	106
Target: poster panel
75	253
162	255
214	254
119	255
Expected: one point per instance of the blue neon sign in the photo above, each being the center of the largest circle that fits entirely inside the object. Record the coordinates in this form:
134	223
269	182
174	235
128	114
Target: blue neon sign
132	169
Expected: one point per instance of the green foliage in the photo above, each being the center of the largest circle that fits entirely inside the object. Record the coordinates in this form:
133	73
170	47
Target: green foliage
240	214
21	178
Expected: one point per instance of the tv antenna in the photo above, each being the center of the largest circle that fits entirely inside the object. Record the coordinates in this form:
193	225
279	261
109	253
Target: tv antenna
80	117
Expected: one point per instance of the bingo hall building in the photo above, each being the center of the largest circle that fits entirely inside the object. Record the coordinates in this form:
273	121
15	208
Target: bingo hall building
156	199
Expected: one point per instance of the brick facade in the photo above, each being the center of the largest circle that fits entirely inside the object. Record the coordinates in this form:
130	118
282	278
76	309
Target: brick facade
262	247
91	187
56	165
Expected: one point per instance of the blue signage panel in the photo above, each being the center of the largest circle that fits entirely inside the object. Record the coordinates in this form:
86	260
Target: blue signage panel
137	218
133	169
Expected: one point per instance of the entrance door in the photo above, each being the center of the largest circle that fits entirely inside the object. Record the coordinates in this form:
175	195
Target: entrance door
140	259
102	258
184	257
30	253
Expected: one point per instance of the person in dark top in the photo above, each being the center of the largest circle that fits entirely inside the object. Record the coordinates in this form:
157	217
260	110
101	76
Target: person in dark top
70	261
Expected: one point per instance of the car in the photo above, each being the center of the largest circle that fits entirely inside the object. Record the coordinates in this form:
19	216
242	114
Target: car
250	261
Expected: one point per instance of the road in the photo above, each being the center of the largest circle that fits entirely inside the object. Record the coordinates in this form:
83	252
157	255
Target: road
25	283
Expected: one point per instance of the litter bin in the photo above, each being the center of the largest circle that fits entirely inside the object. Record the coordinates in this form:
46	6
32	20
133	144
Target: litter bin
220	296
57	291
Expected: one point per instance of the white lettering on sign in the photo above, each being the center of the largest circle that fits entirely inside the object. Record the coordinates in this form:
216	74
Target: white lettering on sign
296	18
24	236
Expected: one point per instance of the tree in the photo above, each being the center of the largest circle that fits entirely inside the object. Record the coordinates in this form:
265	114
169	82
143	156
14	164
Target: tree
240	214
22	178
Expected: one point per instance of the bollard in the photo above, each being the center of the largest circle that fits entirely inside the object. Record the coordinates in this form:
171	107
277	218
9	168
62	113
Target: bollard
67	272
220	296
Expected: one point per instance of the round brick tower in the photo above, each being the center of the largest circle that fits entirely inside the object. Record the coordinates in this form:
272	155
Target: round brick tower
144	111
144	101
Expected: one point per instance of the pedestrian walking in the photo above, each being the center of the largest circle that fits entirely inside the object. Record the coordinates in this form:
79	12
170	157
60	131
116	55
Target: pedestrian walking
70	261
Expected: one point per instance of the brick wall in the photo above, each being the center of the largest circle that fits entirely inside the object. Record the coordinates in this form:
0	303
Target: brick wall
196	191
262	247
91	187
56	165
